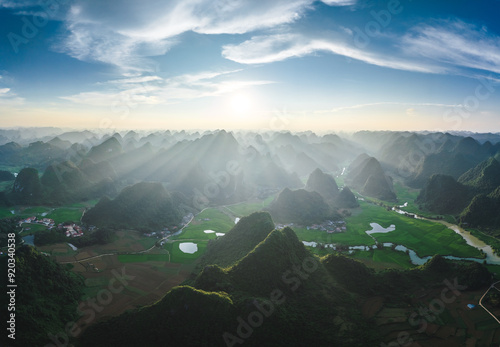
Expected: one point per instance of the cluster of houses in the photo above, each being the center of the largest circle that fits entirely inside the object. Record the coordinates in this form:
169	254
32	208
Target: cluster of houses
165	231
186	219
330	226
49	223
72	230
158	234
281	226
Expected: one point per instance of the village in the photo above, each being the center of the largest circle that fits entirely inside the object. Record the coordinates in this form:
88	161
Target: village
166	231
71	229
329	226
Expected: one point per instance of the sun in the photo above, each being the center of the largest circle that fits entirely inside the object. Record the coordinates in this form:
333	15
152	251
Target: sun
241	104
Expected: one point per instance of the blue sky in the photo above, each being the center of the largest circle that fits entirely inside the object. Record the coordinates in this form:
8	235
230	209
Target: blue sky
327	65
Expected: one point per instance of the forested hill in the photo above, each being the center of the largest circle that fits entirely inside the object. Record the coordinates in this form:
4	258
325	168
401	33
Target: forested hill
143	206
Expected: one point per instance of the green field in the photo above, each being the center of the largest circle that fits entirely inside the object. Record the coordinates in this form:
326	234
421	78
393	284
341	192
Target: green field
246	208
217	221
384	256
32	211
354	236
178	256
140	258
409	195
59	214
89	203
34	228
22	212
5	212
424	237
65	214
495	269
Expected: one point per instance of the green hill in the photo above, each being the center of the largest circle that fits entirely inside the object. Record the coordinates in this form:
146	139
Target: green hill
67	182
280	251
143	206
27	188
483	178
483	211
366	175
185	316
106	150
299	206
346	199
442	194
237	242
276	295
324	184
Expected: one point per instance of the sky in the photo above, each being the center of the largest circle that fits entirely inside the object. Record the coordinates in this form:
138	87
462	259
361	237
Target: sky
330	65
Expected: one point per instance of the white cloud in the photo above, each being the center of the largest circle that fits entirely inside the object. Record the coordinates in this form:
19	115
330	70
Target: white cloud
135	80
455	43
9	98
272	48
124	33
152	90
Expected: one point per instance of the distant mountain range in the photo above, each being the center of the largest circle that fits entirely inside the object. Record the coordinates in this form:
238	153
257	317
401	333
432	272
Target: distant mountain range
221	167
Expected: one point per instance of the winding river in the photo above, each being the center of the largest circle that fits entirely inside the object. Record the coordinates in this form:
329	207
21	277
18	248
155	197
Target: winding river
491	257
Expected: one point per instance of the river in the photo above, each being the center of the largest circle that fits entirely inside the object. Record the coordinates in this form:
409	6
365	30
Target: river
491	257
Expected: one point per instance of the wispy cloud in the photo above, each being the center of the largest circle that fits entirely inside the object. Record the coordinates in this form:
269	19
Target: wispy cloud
272	48
7	96
152	90
455	43
125	33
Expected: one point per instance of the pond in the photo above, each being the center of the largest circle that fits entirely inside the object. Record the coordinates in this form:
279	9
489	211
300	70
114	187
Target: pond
29	240
377	228
188	247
